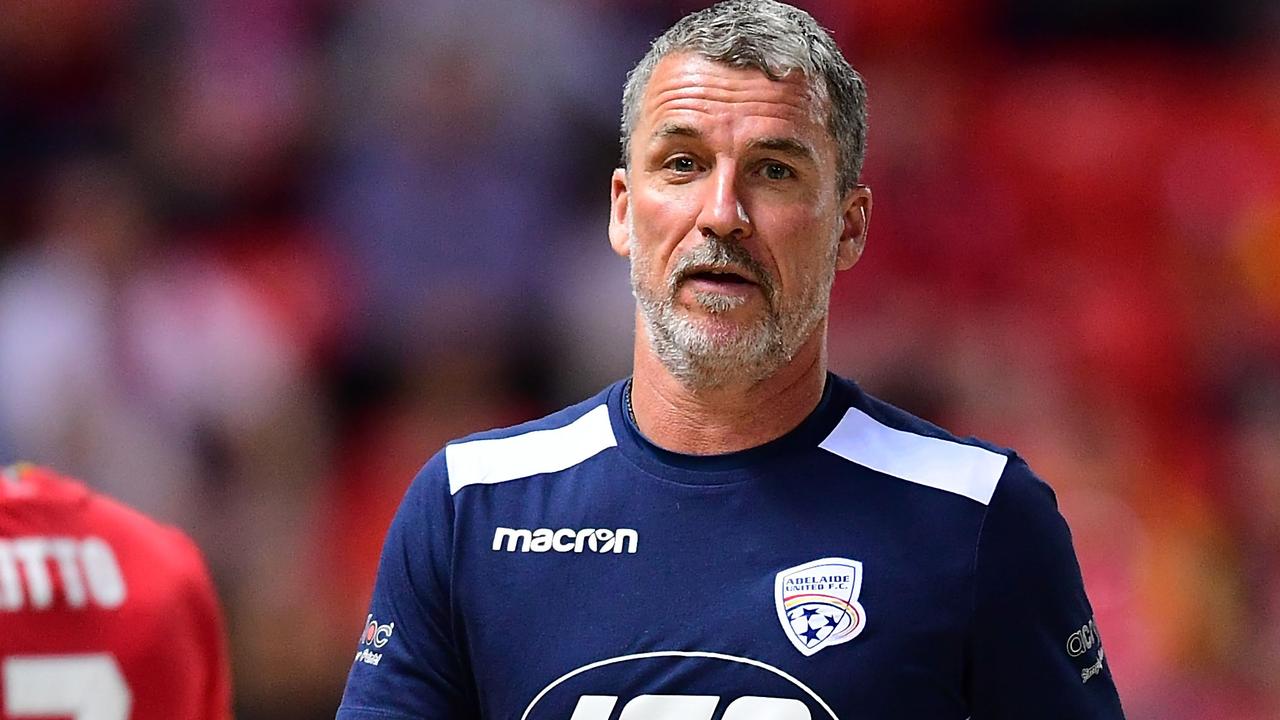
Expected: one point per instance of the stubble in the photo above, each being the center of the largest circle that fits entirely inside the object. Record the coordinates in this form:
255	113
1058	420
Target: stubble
703	352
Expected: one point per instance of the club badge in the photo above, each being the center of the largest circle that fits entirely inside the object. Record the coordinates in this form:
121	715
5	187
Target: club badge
818	603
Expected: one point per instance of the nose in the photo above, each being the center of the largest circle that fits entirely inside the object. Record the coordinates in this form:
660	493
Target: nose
722	211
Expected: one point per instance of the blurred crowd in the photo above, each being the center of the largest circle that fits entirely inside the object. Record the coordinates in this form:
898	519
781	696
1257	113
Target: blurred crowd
260	258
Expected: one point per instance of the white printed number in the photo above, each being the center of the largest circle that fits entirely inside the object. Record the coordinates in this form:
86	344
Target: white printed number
80	687
690	707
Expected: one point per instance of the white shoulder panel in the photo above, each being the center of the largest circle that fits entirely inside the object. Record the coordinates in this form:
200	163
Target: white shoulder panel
951	466
485	462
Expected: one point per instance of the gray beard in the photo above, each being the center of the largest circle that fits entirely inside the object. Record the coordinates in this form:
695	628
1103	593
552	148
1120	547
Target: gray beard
701	357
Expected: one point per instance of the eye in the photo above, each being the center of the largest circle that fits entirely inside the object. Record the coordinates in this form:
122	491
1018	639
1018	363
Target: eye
777	171
682	164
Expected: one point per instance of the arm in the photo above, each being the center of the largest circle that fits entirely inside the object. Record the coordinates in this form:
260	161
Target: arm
407	662
1034	650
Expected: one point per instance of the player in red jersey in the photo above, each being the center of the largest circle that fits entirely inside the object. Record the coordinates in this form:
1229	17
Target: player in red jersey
105	614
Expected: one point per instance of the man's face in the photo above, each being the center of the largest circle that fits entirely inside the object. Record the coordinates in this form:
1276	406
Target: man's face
732	219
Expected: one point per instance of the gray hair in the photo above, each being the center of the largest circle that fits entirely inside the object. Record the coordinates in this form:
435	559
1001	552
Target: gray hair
776	39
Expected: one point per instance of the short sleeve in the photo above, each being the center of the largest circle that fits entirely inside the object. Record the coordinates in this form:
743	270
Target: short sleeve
1035	651
407	663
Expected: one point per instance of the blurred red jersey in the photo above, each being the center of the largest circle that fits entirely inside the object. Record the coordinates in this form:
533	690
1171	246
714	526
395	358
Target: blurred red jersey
104	612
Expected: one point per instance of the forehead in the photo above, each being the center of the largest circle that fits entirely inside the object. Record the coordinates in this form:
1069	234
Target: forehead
689	88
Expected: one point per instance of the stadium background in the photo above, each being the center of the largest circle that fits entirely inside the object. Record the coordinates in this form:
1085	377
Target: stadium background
259	259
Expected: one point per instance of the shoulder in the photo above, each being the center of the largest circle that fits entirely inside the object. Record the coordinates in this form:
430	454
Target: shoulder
157	560
553	443
166	552
879	436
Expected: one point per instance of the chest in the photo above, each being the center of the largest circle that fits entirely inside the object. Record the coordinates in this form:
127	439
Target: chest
755	600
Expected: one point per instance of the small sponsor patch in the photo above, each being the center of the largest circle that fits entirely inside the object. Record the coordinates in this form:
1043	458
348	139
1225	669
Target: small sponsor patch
817	603
375	635
1080	643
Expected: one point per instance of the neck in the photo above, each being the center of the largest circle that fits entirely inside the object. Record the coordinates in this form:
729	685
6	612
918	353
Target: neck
729	417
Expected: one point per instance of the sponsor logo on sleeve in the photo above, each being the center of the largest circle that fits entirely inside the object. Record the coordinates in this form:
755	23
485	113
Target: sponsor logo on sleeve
375	635
817	603
1081	642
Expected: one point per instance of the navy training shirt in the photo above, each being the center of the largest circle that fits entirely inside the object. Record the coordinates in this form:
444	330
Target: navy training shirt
865	566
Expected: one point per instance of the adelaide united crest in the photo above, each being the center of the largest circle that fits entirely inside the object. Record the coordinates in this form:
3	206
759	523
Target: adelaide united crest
818	603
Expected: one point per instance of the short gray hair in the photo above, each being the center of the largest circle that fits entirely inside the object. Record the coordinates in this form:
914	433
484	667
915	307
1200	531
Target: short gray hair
776	39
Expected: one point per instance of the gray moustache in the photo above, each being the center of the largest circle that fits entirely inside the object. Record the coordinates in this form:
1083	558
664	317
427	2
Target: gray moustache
716	253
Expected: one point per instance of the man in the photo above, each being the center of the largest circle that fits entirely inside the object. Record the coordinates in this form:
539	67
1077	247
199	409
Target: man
733	532
104	613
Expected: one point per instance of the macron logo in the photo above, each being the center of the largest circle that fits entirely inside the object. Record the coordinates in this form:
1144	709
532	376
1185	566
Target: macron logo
565	540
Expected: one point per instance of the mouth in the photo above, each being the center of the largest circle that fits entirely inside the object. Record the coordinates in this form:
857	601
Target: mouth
718	276
718	289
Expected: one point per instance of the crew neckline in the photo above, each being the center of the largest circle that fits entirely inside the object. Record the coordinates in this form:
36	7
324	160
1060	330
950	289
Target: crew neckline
720	469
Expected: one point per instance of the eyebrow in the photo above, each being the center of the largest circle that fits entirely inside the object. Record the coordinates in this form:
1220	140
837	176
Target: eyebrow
784	145
676	130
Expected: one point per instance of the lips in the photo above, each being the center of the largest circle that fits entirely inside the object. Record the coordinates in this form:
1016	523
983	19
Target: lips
718	275
723	268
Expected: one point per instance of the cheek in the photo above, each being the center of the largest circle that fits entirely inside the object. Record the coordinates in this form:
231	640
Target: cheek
808	253
659	224
652	219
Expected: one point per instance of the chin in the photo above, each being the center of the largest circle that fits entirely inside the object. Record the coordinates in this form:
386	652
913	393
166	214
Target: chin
720	334
720	324
745	317
725	348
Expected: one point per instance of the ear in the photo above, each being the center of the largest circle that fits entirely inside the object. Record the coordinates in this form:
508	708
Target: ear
619	207
853	235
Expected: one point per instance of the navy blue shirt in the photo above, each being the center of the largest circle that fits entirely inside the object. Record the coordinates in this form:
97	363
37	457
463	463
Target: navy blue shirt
865	566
